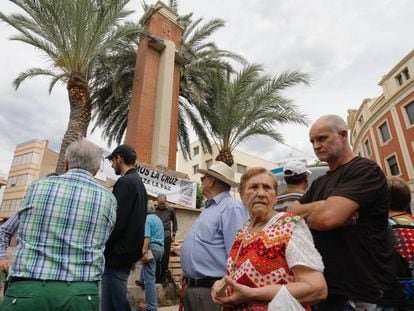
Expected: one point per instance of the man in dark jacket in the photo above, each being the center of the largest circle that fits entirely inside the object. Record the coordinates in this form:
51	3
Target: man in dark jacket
124	246
168	217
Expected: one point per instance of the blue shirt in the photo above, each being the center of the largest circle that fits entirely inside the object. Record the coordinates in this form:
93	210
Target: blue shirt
154	229
64	223
207	245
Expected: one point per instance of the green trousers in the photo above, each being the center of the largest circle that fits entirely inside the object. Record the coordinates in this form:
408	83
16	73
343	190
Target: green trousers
51	296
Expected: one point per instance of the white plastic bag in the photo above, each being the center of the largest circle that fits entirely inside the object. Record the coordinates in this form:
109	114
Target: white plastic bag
284	301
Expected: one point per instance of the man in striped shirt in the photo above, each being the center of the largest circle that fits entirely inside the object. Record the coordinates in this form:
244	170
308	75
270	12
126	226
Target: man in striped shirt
296	176
64	222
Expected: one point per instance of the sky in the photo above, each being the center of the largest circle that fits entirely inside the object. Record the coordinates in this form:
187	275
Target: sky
345	45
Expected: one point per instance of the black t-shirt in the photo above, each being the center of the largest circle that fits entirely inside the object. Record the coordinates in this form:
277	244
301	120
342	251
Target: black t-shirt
124	246
167	216
359	260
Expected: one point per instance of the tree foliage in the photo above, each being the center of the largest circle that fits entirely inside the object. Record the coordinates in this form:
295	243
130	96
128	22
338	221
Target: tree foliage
111	99
73	35
247	104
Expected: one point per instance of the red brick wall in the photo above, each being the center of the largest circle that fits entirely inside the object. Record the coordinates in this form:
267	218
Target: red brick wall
140	127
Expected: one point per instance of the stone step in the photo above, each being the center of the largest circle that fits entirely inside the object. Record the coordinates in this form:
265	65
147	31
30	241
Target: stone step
167	294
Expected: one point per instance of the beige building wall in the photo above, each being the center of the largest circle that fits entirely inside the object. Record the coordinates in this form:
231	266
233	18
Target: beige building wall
32	160
26	167
201	160
3	183
382	128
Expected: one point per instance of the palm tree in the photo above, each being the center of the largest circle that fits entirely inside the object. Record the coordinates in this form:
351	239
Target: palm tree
247	105
73	35
111	99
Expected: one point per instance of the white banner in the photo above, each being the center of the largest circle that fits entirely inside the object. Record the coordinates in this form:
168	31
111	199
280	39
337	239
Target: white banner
177	190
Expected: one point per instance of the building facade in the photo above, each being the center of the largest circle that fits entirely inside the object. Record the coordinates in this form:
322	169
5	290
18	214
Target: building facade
33	160
382	129
3	183
202	160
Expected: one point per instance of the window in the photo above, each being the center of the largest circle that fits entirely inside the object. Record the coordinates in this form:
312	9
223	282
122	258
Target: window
367	148
31	157
409	109
10	205
399	79
209	163
20	180
241	168
385	132
403	76
196	150
361	120
393	165
195	168
5	205
406	74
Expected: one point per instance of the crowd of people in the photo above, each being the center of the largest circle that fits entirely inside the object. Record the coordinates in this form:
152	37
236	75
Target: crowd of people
330	245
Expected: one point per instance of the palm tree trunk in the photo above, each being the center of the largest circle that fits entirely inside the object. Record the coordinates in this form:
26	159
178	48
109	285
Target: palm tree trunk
80	115
225	156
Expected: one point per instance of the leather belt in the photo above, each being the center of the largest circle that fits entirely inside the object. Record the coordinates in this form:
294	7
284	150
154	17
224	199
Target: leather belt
204	282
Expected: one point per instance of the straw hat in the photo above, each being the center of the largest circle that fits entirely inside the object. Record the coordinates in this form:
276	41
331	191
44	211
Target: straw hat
221	171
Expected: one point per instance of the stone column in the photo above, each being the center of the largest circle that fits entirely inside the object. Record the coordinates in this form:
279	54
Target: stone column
153	113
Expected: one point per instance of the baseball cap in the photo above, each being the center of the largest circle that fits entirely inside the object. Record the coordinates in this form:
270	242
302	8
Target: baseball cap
295	167
126	151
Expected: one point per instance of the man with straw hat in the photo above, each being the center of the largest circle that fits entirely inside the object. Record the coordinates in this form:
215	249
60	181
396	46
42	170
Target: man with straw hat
207	245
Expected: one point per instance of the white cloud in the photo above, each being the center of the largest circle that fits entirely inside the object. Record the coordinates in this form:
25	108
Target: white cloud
346	45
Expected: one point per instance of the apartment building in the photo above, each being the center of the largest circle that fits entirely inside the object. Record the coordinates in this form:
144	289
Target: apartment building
3	183
200	159
382	128
33	160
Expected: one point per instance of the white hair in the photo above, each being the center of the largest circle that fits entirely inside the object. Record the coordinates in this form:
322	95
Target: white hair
84	154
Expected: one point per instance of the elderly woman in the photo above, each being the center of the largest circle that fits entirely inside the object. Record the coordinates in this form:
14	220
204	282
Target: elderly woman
400	219
272	249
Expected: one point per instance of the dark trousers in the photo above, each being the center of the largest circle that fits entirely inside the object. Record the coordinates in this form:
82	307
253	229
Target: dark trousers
199	299
162	264
114	289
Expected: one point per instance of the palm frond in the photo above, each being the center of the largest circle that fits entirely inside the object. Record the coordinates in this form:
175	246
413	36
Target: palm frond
30	73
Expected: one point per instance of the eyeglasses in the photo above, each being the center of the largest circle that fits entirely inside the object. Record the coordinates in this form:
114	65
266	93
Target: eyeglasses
203	177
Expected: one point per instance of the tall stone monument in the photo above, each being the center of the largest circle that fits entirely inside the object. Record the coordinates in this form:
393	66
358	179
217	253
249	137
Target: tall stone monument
153	113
